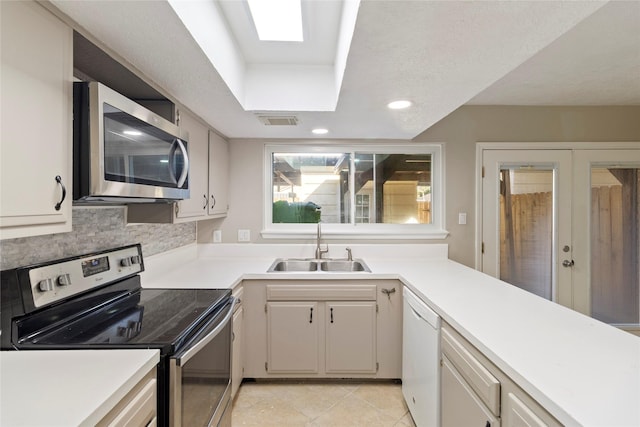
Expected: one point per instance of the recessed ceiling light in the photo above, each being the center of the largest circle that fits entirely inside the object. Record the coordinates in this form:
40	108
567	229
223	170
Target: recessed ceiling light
277	20
399	105
320	131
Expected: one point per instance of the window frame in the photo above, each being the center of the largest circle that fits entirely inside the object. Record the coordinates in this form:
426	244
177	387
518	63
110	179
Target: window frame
435	230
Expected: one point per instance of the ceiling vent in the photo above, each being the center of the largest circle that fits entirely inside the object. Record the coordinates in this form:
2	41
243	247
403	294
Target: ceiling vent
279	120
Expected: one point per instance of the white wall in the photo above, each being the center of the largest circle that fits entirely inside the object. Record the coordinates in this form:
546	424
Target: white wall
460	131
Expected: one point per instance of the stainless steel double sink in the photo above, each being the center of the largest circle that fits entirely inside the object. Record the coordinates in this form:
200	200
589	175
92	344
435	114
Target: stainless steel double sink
318	265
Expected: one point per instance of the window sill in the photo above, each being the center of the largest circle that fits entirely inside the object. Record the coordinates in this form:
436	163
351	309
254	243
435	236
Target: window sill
355	234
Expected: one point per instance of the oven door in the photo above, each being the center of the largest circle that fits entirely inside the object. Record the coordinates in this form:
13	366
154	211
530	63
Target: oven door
200	376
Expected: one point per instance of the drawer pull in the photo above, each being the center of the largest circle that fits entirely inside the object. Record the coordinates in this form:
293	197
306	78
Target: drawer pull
64	192
311	315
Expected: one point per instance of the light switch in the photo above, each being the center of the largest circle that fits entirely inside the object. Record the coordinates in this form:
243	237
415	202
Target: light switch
462	218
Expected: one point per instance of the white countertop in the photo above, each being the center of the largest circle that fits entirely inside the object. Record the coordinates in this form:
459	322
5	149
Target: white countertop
582	371
67	387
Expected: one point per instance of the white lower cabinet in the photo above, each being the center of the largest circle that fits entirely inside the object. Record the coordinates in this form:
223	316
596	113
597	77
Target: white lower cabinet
350	336
461	406
137	408
519	414
321	337
476	393
323	329
293	337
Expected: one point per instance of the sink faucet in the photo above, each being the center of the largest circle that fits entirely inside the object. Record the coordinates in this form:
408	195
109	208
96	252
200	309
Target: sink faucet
319	250
349	256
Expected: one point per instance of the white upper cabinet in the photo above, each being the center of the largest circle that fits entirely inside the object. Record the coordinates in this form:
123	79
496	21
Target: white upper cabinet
197	135
218	175
36	136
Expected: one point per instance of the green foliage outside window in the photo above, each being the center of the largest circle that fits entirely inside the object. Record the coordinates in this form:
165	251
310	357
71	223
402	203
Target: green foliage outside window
296	212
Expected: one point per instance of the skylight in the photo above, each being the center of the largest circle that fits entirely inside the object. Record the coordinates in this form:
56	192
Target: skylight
277	20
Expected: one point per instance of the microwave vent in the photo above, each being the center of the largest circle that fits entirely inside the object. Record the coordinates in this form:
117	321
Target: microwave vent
279	120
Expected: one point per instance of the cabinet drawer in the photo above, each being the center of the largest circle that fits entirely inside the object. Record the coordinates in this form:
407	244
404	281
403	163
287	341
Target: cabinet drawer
321	292
479	378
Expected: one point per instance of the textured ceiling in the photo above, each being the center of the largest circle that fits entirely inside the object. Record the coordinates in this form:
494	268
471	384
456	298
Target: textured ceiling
439	54
596	63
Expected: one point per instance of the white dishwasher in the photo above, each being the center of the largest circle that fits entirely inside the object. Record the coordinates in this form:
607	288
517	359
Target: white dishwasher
420	360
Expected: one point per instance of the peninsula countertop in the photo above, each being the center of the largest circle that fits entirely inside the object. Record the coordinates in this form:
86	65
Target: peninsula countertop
581	370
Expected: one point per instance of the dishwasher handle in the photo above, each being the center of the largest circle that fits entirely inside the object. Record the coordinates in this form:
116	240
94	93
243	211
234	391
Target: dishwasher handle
421	309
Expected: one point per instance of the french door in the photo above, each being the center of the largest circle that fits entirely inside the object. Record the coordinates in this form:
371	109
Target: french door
564	224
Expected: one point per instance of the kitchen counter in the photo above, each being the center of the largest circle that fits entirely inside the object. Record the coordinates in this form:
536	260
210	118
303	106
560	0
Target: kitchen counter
582	371
67	387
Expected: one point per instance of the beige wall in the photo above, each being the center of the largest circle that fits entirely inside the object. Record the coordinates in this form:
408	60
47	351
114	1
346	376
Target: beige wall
460	131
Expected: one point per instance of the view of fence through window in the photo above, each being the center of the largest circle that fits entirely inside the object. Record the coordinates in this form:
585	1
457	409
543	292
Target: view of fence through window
526	218
386	188
526	226
615	245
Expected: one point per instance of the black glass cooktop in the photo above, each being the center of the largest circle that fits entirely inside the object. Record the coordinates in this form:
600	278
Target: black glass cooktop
146	318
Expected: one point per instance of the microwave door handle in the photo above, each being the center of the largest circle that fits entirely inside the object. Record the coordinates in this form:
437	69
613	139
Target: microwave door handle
183	358
185	169
172	159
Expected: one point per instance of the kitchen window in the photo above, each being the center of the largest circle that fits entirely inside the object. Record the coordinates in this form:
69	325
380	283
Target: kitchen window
356	191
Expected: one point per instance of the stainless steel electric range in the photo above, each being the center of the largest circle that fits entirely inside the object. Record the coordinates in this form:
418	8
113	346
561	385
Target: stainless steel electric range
96	301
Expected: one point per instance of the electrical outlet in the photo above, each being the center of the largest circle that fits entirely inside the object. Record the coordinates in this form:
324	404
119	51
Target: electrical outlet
217	236
244	235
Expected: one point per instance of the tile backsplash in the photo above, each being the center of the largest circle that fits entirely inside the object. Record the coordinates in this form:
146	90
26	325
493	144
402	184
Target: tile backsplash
94	229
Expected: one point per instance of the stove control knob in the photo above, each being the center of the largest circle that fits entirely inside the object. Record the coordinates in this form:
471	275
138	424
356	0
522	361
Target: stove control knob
45	285
125	262
64	280
135	259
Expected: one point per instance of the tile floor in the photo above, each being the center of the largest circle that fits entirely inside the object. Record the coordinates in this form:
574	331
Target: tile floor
317	404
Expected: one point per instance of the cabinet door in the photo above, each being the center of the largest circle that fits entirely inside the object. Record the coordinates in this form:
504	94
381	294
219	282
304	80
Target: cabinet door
236	361
460	405
350	336
36	145
520	410
218	175
198	145
292	337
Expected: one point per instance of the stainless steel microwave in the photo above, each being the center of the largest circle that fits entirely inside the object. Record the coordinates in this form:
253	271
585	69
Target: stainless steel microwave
122	152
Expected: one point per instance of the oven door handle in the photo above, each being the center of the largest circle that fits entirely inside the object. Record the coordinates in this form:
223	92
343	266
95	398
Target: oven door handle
192	351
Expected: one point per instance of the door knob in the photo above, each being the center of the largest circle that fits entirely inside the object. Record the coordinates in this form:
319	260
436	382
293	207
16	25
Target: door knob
567	263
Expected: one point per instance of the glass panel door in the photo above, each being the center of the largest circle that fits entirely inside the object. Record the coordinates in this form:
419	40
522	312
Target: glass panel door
614	244
526	225
526	228
607	222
